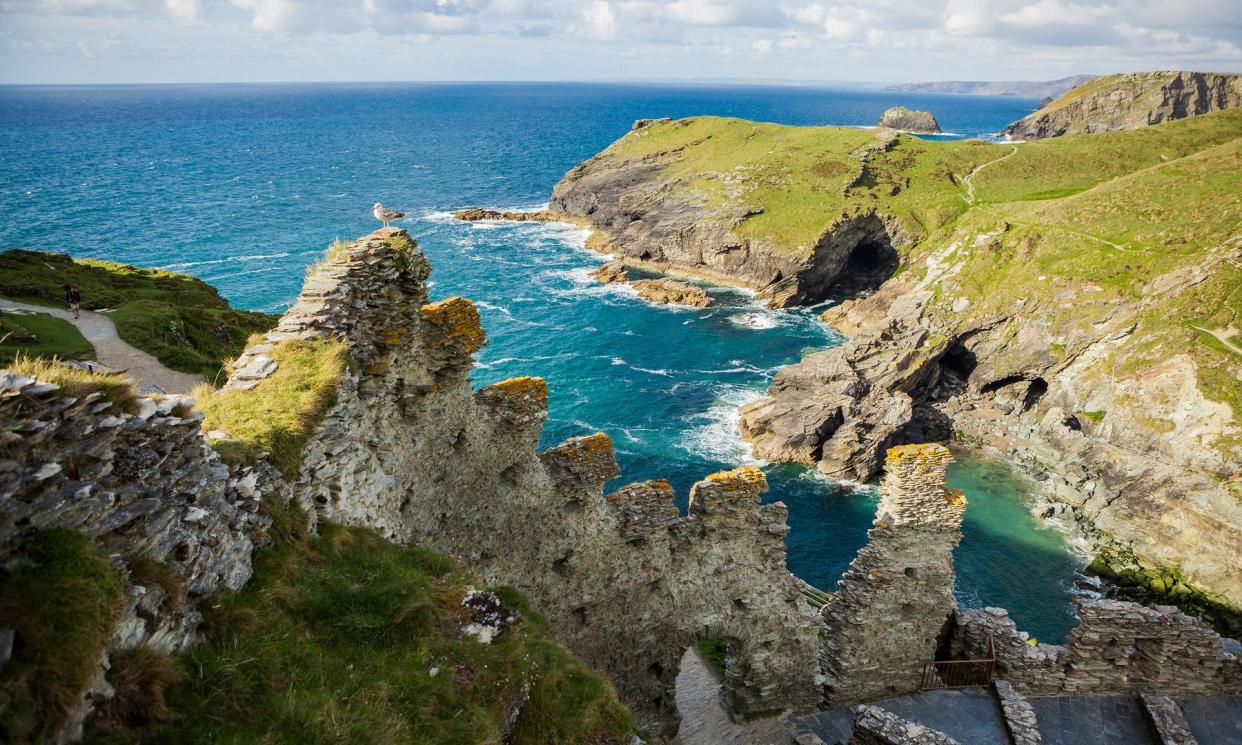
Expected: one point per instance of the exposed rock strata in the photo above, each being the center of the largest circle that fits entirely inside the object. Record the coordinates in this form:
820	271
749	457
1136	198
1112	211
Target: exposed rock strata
644	223
143	483
908	120
476	214
666	291
412	451
1130	101
886	619
912	371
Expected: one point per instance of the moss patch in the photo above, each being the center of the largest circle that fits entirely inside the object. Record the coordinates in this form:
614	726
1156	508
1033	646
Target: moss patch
1166	585
62	599
335	639
714	650
180	320
279	415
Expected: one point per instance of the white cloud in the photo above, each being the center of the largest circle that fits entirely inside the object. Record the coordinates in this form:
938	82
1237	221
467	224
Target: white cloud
598	20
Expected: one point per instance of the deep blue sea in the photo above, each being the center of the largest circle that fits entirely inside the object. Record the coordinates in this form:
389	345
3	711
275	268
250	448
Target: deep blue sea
244	186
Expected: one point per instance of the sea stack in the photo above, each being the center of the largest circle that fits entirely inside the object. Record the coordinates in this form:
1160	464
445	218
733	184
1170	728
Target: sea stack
908	120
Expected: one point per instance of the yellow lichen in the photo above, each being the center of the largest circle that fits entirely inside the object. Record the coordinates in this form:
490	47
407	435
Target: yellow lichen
391	337
923	453
741	476
454	321
522	387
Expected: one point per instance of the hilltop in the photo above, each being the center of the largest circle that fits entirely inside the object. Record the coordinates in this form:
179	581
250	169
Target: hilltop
1129	101
1071	302
1017	88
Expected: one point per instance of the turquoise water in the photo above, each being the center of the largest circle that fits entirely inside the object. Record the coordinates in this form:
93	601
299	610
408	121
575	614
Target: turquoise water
244	186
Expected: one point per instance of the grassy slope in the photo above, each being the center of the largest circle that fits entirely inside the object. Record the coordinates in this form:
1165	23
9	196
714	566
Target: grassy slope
180	320
1169	195
41	335
1105	84
334	640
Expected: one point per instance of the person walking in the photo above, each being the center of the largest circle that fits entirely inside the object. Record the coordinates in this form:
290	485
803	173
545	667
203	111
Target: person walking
74	299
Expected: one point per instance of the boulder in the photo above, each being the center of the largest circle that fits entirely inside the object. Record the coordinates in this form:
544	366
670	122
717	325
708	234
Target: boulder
907	120
672	292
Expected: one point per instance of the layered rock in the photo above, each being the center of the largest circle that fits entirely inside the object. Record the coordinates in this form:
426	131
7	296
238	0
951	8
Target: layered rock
662	290
908	120
477	213
650	216
1130	101
411	450
144	483
892	607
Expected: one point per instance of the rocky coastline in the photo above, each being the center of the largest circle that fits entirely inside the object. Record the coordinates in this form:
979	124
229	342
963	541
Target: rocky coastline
906	120
1132	446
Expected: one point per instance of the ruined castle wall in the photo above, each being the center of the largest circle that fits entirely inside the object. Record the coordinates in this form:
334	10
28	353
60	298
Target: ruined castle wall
890	610
1118	647
411	450
143	483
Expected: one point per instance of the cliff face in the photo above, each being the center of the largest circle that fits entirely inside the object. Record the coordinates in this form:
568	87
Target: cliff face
1069	303
411	450
906	120
1130	101
656	203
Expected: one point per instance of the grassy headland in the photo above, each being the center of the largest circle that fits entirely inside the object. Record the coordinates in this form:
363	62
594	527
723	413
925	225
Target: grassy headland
180	320
41	335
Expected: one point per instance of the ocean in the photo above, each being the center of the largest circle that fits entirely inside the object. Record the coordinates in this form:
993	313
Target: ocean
245	185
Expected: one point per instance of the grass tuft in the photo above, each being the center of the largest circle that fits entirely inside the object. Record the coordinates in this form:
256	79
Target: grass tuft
279	415
117	389
62	599
41	335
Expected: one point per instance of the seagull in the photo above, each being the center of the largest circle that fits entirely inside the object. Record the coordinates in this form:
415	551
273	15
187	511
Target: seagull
385	215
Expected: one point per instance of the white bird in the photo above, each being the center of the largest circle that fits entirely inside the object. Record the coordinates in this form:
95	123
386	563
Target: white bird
385	215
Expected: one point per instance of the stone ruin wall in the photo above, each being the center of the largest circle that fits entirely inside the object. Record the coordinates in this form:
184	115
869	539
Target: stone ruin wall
1118	647
413	452
628	583
890	611
143	484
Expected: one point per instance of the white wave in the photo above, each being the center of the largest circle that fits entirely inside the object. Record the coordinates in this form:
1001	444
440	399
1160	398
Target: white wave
618	361
664	373
715	432
756	320
498	308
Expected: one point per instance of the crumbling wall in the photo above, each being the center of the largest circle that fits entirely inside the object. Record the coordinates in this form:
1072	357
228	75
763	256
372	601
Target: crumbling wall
144	483
889	612
412	451
1119	647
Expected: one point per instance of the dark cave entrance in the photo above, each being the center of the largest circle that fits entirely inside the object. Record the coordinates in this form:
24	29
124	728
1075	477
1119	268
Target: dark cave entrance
868	266
947	378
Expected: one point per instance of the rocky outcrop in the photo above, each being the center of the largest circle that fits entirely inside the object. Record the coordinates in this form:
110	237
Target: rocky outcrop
476	214
672	292
666	291
411	450
1130	101
908	120
892	606
141	479
876	726
644	216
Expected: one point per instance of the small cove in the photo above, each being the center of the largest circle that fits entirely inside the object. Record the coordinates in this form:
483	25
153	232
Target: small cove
244	186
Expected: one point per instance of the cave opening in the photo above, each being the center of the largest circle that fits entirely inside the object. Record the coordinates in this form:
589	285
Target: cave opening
868	266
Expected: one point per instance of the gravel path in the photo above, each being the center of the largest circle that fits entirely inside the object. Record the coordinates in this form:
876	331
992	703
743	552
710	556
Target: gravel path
114	353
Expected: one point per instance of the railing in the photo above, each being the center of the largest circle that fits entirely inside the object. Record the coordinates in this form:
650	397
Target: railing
959	673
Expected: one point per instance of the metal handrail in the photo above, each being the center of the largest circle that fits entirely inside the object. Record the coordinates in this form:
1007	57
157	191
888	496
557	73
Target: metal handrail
959	673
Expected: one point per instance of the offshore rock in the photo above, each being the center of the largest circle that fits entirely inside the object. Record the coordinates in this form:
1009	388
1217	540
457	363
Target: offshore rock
1130	101
477	214
908	120
613	271
672	292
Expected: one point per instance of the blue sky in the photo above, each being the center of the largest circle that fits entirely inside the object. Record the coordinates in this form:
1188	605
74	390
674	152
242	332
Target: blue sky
150	41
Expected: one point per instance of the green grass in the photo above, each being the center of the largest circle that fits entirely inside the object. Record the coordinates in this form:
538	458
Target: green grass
62	598
279	415
41	335
714	650
117	389
180	320
334	638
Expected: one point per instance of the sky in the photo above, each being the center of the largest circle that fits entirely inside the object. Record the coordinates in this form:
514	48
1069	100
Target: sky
169	41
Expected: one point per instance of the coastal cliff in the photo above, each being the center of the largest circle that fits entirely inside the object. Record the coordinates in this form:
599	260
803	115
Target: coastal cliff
1068	303
1121	102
